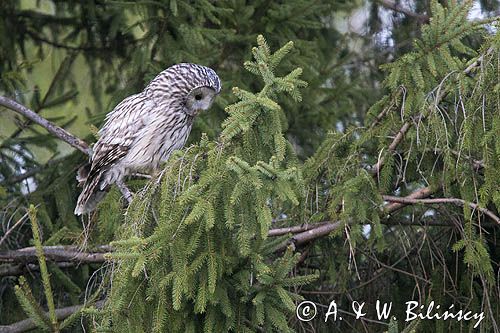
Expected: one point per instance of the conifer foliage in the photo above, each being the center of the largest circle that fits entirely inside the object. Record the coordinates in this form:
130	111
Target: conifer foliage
199	254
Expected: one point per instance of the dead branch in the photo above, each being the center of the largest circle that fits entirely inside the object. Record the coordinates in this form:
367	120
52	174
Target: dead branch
61	314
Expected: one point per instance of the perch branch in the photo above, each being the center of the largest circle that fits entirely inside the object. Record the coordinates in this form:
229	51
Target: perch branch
29	324
49	126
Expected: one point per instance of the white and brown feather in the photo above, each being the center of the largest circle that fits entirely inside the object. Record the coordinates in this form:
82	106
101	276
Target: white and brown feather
144	129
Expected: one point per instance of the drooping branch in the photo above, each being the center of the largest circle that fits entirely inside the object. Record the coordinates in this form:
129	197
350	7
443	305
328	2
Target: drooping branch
61	314
49	126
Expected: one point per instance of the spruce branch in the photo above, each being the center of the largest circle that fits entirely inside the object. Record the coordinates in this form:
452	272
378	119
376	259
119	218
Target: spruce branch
375	169
49	126
61	314
43	268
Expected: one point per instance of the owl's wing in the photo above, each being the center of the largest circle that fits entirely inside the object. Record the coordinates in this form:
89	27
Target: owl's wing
121	128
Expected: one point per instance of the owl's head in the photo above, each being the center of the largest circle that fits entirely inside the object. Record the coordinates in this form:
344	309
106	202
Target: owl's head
190	88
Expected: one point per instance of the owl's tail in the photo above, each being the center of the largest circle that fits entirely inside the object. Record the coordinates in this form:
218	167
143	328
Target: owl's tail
91	193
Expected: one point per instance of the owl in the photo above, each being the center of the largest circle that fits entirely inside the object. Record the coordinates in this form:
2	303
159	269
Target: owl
144	129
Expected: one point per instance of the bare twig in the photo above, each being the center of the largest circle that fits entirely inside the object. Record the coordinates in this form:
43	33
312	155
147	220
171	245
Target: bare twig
29	324
49	126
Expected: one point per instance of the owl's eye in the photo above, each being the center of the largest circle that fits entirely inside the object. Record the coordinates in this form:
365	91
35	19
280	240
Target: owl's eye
198	97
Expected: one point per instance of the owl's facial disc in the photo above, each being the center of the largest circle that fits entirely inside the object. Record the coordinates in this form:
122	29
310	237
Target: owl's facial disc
199	99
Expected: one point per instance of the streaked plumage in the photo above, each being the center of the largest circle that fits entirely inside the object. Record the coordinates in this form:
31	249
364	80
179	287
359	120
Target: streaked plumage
144	129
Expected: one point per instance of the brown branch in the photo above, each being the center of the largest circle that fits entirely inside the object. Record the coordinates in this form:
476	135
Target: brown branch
456	201
421	18
49	126
56	254
29	324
